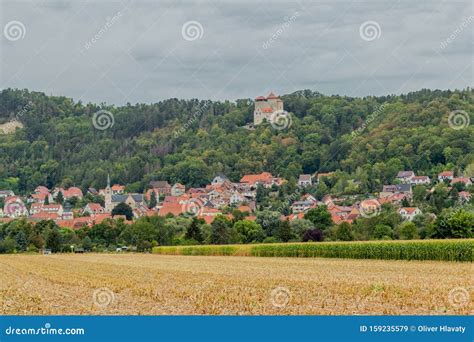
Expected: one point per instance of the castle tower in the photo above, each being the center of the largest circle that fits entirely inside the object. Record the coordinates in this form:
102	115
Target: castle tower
265	107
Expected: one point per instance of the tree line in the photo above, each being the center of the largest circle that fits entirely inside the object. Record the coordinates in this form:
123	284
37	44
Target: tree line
147	232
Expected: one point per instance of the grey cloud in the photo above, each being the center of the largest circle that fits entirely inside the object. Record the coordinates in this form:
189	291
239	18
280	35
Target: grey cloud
247	48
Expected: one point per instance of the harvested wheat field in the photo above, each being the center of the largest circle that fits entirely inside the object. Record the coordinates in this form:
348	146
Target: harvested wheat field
145	284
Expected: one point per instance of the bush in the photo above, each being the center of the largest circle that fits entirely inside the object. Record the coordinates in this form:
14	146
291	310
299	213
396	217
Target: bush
7	246
313	235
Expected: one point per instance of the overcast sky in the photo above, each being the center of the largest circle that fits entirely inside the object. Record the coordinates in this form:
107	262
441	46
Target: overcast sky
145	51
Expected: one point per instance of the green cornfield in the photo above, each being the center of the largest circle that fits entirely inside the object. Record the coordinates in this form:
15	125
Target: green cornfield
444	250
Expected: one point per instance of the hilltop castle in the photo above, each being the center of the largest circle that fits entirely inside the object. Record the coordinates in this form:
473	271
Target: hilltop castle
265	107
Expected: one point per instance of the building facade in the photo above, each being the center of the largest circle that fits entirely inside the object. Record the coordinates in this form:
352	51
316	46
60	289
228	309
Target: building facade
265	107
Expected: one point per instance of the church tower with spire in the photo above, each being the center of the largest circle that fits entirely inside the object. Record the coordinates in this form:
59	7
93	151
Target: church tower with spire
108	196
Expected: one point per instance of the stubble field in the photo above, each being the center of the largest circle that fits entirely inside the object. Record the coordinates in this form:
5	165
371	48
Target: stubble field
145	284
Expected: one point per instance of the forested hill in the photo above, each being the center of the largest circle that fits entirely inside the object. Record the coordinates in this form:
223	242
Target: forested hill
368	139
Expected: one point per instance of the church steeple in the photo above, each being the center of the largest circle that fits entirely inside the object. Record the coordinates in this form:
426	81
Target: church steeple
108	196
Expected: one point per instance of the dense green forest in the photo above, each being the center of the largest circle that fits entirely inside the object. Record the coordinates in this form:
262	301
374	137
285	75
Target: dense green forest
190	141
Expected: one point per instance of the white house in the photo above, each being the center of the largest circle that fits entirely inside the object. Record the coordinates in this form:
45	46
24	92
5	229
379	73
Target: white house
464	180
93	208
300	206
420	180
14	207
408	213
405	176
6	193
178	189
305	180
219	179
237	198
446	175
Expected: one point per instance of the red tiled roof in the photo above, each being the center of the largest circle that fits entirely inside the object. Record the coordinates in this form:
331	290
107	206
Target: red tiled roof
464	180
94	206
151	212
170	199
76	223
446	174
260	98
244	209
51	206
272	96
72	192
98	218
264	177
208	211
44	216
409	210
171	208
39	196
42	190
